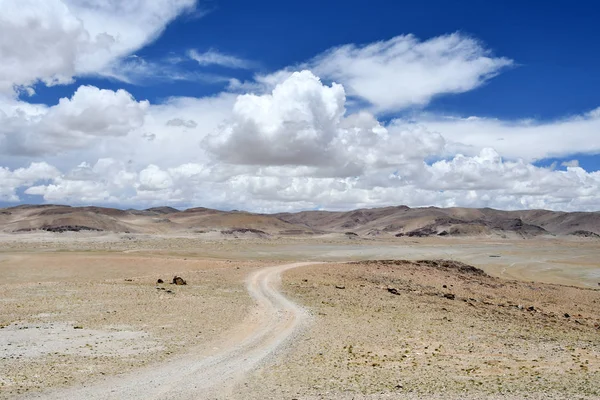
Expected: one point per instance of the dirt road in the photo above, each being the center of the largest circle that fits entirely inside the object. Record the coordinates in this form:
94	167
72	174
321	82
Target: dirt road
203	374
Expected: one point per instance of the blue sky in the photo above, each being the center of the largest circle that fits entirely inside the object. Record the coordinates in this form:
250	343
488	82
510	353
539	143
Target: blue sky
552	43
498	92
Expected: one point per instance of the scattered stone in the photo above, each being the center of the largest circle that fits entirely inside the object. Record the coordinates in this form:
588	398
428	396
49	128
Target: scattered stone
177	280
160	281
340	287
449	296
393	291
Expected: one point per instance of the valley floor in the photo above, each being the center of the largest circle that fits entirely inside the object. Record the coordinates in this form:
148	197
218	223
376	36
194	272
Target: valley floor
77	309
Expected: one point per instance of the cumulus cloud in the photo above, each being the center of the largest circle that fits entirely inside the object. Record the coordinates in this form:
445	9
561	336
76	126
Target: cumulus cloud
10	181
304	123
71	124
296	124
51	41
295	147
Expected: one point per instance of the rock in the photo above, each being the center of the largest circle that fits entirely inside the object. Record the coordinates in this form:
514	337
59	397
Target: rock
340	287
567	315
531	308
177	280
160	281
449	296
520	307
78	327
445	286
393	291
128	280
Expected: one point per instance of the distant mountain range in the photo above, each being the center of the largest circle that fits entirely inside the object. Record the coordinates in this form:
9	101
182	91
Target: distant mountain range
377	222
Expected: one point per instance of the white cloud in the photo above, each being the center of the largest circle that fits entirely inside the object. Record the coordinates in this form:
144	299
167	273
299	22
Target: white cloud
403	71
303	123
10	181
398	73
295	147
73	123
570	163
296	124
530	140
53	41
213	57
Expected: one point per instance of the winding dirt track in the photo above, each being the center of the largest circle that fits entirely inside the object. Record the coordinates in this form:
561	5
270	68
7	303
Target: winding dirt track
203	375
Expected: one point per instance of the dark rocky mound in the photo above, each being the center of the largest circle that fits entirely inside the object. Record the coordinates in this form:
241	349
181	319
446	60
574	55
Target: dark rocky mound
448	265
517	225
585	234
163	210
454	266
235	231
69	228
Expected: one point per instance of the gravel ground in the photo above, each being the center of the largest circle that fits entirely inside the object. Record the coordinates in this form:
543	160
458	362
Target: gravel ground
368	343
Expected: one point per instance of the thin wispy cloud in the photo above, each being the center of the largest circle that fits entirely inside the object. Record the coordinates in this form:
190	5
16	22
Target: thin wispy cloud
214	57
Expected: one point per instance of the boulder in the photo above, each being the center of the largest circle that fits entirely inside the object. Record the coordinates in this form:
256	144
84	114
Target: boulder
177	280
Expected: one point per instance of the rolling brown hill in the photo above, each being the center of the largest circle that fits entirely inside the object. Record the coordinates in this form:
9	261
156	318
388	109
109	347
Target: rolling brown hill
377	222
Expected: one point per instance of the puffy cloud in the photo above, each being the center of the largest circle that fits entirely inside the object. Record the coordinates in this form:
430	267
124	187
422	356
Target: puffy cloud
484	180
71	124
54	40
10	181
295	125
293	148
303	123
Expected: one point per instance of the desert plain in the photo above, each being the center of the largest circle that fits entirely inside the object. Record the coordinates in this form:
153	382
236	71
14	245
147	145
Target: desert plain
326	315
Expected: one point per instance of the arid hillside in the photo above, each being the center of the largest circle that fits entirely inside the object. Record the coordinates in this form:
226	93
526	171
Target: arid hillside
378	222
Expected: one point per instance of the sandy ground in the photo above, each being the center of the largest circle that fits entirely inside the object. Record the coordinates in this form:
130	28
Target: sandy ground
368	343
85	309
202	373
